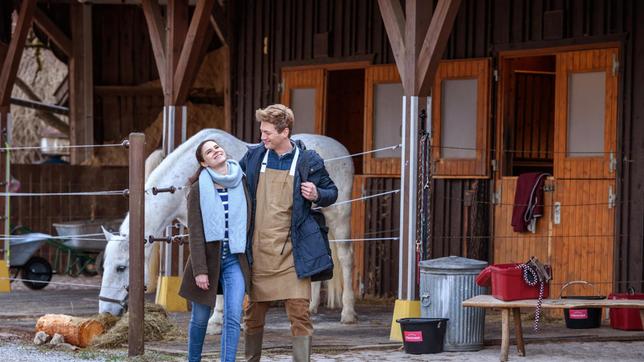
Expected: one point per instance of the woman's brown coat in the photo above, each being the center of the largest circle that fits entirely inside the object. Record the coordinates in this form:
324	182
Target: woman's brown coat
205	257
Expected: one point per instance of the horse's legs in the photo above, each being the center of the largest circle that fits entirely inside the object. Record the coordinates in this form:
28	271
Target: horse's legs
315	297
339	221
345	255
216	320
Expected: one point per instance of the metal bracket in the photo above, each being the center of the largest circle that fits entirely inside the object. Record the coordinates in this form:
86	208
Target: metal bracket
615	65
557	213
612	165
496	197
612	197
494	165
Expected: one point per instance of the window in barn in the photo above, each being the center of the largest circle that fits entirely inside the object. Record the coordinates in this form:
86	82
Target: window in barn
383	117
460	130
304	94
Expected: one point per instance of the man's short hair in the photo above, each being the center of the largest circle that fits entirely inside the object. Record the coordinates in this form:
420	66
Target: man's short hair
278	115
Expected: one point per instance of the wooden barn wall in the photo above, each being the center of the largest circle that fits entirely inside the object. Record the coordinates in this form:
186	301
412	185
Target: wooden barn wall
39	213
272	34
6	8
122	57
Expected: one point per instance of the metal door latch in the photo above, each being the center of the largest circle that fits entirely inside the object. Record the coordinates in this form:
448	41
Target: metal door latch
557	213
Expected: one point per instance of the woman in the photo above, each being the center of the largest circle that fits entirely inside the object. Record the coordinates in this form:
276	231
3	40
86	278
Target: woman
217	247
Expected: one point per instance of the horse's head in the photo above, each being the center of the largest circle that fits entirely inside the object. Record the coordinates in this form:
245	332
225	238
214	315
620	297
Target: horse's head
114	293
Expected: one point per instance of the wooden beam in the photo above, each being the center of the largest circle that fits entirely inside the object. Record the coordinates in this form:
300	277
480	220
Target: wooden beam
14	53
62	91
218	18
3	51
178	20
434	43
53	32
418	15
188	64
394	20
156	29
81	100
128	90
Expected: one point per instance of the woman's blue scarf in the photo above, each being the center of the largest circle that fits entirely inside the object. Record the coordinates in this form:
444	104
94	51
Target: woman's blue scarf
212	210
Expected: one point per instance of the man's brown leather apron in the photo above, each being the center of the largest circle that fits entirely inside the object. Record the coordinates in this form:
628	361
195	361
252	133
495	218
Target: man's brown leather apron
273	271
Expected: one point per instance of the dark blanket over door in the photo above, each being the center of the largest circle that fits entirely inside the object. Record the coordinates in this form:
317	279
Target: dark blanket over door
528	201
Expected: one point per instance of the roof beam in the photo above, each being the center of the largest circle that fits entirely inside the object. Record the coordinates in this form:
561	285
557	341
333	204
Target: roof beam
416	24
218	18
394	20
53	31
192	50
434	43
14	52
156	29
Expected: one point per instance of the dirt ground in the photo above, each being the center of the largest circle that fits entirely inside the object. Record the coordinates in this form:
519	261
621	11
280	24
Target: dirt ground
368	340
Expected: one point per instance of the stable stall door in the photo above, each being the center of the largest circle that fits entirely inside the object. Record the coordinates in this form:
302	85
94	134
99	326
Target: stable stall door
584	169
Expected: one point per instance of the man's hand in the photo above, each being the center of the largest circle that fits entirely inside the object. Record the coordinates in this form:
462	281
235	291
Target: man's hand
309	191
202	281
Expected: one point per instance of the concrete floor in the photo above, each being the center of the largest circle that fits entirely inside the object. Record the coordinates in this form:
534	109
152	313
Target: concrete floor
369	337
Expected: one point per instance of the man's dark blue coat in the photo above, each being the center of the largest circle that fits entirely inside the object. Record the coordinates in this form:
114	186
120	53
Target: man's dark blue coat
310	252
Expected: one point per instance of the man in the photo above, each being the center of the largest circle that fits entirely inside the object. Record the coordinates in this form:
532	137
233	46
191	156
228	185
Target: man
286	245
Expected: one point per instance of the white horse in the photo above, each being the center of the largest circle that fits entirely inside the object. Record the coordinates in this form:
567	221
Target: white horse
162	209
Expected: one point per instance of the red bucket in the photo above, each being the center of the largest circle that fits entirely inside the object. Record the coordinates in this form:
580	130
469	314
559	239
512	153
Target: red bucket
508	284
627	319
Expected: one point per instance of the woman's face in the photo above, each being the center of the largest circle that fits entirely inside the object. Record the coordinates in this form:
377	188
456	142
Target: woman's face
213	155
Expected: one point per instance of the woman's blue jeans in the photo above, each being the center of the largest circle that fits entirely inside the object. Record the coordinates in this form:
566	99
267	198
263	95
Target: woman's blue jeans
232	283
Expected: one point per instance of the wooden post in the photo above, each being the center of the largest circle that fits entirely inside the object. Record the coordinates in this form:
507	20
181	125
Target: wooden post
417	47
137	257
4	123
10	60
81	81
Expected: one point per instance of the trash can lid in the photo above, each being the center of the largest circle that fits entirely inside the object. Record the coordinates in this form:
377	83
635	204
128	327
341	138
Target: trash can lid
452	263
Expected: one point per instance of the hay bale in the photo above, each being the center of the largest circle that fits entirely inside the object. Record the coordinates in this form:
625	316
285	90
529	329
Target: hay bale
156	327
43	72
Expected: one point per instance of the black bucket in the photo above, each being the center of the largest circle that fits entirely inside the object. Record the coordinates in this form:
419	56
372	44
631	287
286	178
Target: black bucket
423	335
582	318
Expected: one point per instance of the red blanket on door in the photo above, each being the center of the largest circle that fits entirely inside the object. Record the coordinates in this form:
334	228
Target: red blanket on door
528	201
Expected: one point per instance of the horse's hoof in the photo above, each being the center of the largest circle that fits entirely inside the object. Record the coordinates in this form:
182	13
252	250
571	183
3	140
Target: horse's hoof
348	318
213	329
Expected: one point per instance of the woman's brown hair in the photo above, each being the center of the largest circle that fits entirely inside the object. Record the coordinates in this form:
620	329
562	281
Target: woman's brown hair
199	156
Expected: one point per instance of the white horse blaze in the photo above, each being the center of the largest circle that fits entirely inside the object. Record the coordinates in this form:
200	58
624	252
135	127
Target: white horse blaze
161	209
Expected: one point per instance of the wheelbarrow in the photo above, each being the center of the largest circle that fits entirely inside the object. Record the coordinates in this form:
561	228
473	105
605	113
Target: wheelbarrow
35	271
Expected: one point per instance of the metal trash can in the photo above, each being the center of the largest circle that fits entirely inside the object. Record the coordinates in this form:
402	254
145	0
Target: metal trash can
444	284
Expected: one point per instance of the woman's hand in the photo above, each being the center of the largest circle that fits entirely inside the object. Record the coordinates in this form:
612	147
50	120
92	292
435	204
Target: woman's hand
202	281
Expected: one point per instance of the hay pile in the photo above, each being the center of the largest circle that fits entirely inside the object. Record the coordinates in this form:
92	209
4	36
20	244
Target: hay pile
156	327
43	72
200	116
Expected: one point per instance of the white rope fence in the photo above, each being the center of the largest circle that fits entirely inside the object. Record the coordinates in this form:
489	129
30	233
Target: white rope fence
365	153
361	198
86	193
31	148
58	283
87	237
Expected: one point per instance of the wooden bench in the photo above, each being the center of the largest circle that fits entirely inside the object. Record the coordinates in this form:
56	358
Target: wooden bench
513	308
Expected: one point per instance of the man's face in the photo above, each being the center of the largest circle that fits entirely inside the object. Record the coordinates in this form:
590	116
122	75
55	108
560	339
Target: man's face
272	139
